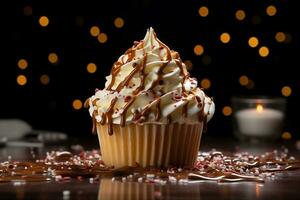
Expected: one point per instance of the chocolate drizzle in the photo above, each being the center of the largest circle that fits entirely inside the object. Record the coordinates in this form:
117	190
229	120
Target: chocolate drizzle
166	56
108	115
182	73
185	109
142	67
114	71
123	115
158	110
94	124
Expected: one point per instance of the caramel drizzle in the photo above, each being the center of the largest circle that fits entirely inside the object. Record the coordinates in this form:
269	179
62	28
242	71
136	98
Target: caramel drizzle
169	58
103	119
131	53
205	124
94	124
154	83
139	116
86	103
185	109
140	68
117	67
123	115
141	86
114	71
201	115
108	115
169	119
158	110
127	79
179	63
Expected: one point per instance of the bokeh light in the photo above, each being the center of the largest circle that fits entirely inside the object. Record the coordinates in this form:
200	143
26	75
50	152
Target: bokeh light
240	15
263	51
203	11
286	135
91	68
119	22
280	37
53	58
102	37
22	64
225	37
227	110
271	10
77	104
205	83
244	80
286	91
253	42
44	21
45	79
21	80
94	31
198	49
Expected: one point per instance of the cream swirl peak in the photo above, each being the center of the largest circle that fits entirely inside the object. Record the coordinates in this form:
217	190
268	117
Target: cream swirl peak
150	84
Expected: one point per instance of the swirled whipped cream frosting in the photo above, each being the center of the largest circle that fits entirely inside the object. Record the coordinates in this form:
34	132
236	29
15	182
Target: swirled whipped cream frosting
150	84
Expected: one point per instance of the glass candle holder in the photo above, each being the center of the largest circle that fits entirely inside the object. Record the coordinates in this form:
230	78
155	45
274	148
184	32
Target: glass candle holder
258	117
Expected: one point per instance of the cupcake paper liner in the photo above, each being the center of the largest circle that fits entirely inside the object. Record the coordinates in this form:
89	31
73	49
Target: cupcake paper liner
158	145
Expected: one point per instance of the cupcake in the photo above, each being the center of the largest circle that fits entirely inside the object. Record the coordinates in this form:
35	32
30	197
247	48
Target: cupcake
151	112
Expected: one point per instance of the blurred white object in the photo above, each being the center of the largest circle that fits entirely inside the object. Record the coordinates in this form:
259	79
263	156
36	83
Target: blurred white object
50	136
14	128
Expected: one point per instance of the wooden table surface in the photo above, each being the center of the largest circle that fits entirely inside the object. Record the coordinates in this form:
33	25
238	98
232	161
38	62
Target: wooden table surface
285	185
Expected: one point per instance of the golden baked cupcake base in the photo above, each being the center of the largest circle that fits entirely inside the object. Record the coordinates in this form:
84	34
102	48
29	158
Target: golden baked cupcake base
159	145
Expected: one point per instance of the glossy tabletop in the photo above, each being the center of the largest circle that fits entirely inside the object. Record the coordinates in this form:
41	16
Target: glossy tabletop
285	185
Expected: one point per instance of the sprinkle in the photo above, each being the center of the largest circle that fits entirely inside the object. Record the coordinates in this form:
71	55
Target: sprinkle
19	182
127	98
159	181
183	181
91	180
58	178
242	166
140	179
67	178
150	176
172	179
157	194
66	194
292	158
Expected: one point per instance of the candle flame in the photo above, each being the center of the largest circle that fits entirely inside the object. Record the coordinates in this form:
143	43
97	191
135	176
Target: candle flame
259	108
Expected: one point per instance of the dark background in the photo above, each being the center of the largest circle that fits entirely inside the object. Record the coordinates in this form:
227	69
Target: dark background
177	23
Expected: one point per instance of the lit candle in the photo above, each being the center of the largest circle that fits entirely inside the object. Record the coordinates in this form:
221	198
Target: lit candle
259	121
